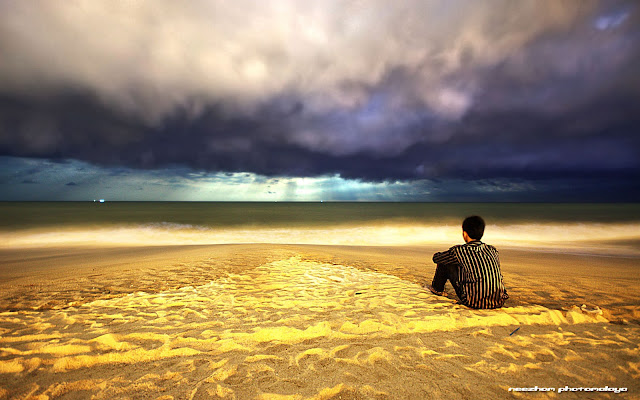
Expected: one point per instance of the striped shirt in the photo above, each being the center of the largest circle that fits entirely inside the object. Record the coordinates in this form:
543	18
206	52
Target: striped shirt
479	277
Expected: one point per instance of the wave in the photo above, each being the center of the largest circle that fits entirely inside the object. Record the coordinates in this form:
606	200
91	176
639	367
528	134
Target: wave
577	236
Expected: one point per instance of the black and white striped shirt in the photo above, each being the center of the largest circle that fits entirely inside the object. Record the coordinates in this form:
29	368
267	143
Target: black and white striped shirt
479	277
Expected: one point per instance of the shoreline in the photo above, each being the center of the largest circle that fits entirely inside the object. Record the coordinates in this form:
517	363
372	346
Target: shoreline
89	271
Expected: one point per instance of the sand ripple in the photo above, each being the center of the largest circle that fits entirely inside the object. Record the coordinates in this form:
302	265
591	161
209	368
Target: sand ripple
300	329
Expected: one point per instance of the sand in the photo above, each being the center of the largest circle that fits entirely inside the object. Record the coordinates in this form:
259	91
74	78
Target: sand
309	322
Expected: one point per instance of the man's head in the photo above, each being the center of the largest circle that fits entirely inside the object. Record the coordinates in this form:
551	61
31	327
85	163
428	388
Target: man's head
473	227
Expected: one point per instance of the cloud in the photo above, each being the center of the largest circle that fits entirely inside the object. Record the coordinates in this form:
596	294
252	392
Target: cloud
179	183
150	58
365	90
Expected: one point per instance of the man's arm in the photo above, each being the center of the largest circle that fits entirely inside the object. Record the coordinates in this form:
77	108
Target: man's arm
444	257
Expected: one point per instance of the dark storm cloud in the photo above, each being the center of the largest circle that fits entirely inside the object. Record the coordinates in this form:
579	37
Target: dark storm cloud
371	91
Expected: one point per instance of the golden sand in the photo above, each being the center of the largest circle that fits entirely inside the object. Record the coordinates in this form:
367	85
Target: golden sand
308	322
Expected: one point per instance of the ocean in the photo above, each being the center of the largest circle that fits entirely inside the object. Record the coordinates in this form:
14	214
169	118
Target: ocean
614	227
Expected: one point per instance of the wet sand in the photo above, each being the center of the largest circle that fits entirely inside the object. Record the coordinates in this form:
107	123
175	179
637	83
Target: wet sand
308	322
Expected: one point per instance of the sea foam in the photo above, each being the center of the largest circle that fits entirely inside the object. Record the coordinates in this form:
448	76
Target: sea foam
573	236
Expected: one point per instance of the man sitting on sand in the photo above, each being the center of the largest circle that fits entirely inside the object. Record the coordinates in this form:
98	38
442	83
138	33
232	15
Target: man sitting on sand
472	268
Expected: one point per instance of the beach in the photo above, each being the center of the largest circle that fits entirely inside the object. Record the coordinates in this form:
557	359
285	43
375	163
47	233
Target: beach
278	321
242	200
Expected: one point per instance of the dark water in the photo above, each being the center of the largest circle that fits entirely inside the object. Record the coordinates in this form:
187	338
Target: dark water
20	215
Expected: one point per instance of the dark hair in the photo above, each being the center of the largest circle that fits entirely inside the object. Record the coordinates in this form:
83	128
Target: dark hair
474	226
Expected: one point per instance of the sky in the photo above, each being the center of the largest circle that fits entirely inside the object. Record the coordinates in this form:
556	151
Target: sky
432	100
